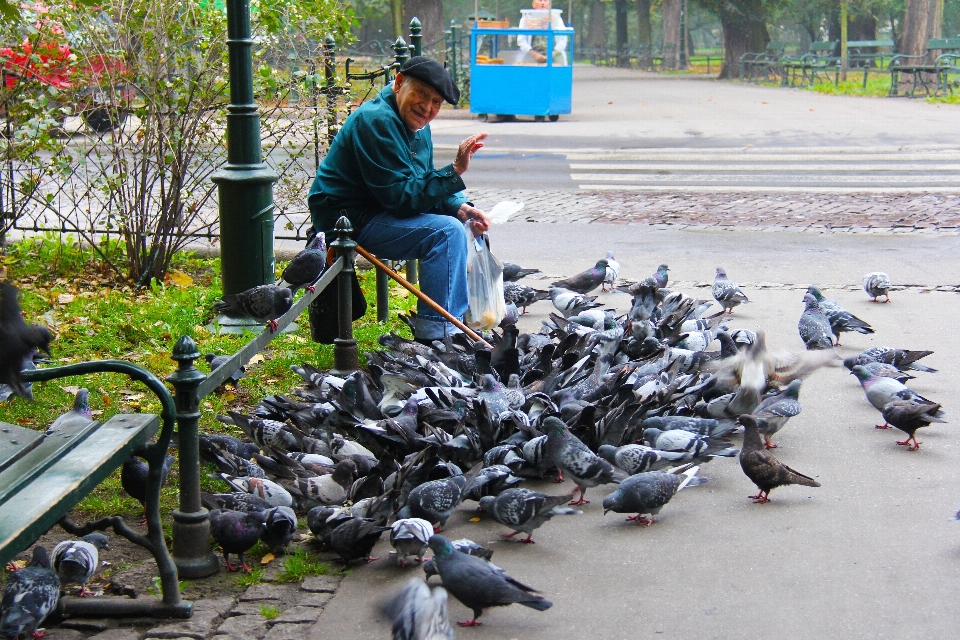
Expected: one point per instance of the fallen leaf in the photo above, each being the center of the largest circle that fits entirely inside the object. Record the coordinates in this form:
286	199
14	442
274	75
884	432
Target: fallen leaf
229	396
267	559
475	519
65	298
71	390
179	278
257	359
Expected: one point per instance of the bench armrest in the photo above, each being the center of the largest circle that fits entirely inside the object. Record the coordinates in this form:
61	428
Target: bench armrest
901	58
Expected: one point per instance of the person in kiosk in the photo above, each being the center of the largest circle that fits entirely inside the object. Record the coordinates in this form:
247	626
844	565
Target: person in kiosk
379	173
534	48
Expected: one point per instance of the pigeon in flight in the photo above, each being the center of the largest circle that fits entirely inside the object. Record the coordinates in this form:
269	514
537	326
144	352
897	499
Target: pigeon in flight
585	281
877	284
840	319
264	303
727	292
762	467
814	326
419	613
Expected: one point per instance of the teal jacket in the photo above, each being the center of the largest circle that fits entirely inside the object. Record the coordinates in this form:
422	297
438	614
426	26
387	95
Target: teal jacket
377	164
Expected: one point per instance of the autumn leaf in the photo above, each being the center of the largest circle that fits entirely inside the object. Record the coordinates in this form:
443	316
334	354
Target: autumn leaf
267	559
179	278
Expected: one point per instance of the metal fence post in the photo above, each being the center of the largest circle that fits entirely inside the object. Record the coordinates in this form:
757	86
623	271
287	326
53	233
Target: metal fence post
416	37
191	522
400	51
454	68
383	296
330	86
346	357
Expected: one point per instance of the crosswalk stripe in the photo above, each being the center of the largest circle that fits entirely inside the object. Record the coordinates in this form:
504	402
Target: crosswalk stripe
674	166
765	189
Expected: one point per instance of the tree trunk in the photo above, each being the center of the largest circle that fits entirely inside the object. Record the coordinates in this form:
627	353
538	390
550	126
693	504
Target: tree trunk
671	34
744	26
597	31
430	13
922	20
644	35
862	27
623	46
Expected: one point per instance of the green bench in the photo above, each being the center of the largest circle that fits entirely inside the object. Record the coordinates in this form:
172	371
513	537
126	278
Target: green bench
864	55
42	478
947	64
925	70
809	67
762	65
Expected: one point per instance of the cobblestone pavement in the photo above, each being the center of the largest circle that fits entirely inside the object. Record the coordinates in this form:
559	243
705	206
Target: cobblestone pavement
819	213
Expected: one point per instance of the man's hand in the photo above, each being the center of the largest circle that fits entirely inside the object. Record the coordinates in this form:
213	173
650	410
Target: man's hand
539	57
480	222
467	148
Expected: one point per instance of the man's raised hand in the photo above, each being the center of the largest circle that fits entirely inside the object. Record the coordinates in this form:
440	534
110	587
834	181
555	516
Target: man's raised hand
465	153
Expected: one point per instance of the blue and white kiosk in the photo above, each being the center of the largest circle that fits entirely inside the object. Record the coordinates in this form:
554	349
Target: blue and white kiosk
510	73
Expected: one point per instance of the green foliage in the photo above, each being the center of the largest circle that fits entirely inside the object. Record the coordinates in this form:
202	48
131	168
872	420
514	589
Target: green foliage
156	590
245	580
299	564
269	611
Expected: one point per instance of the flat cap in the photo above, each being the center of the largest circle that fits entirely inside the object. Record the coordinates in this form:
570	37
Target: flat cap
431	72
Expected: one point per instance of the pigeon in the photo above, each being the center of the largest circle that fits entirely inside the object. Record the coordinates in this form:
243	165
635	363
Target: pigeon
478	584
354	539
79	415
75	561
524	510
814	326
900	358
575	459
636	458
215	361
700	426
522	296
840	319
228	443
306	266
419	613
463	545
613	272
880	391
266	433
648	492
409	536
726	292
763	469
683	442
323	520
435	501
264	303
513	272
660	277
328	489
773	412
236	532
908	413
29	596
280	525
134	474
233	502
275	495
877	284
18	340
585	281
881	369
570	303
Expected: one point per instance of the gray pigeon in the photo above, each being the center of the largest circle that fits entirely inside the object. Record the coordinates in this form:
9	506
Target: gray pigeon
585	281
773	412
478	584
323	520
435	501
661	276
648	492
840	319
327	489
279	527
513	272
523	510
306	266
234	502
612	274
880	391
216	361
29	596
909	413
265	433
78	416
727	292
575	459
463	545
684	442
409	536
762	467
877	284
570	303
522	296
18	340
419	613
75	561
236	532
275	494
134	474
636	458
264	303
814	326
355	539
700	426
902	359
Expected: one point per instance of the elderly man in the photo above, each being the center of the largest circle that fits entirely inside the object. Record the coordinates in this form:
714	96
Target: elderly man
379	173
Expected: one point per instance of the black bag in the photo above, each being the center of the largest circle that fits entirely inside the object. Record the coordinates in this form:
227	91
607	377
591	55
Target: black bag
324	311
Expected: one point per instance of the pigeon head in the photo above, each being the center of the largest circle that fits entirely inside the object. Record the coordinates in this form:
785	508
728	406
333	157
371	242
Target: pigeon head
850	362
42	338
345	472
318	242
811	302
612	502
650	435
554	426
209	357
607	452
610	255
721	272
863	374
486	503
98	540
793	389
40	557
489	383
440	546
81	403
601	265
663	269
749	424
815	292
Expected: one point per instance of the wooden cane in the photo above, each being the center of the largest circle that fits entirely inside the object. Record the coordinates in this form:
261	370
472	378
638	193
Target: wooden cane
422	296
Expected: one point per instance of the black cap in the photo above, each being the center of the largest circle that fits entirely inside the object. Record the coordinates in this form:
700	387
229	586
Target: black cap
431	72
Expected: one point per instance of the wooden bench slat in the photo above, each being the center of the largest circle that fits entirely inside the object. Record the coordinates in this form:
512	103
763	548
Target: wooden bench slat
31	511
43	454
15	442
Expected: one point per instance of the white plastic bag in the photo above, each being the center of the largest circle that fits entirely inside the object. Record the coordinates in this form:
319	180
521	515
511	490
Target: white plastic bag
502	211
484	283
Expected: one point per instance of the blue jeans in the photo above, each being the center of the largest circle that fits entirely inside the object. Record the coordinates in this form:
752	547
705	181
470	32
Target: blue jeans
439	242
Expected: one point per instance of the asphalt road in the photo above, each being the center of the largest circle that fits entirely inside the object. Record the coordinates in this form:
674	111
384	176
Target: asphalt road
870	554
637	131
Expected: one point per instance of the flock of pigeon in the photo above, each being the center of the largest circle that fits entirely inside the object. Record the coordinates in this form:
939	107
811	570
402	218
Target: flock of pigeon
640	400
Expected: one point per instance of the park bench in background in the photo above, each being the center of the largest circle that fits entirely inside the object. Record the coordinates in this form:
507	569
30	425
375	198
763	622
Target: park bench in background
863	54
762	65
923	70
947	64
811	67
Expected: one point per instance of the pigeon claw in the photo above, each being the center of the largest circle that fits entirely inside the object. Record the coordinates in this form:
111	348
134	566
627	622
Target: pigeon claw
85	592
470	623
311	288
761	497
882	426
370	559
39	634
11	566
642	520
559	477
437	528
582	500
274	325
912	441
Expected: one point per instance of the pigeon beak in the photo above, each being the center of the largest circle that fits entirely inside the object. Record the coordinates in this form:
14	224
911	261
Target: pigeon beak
605	511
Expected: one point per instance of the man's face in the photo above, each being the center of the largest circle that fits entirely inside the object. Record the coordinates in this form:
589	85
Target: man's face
418	102
541	4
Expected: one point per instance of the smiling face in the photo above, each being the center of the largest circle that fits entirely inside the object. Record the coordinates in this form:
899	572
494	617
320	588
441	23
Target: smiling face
418	102
540	4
